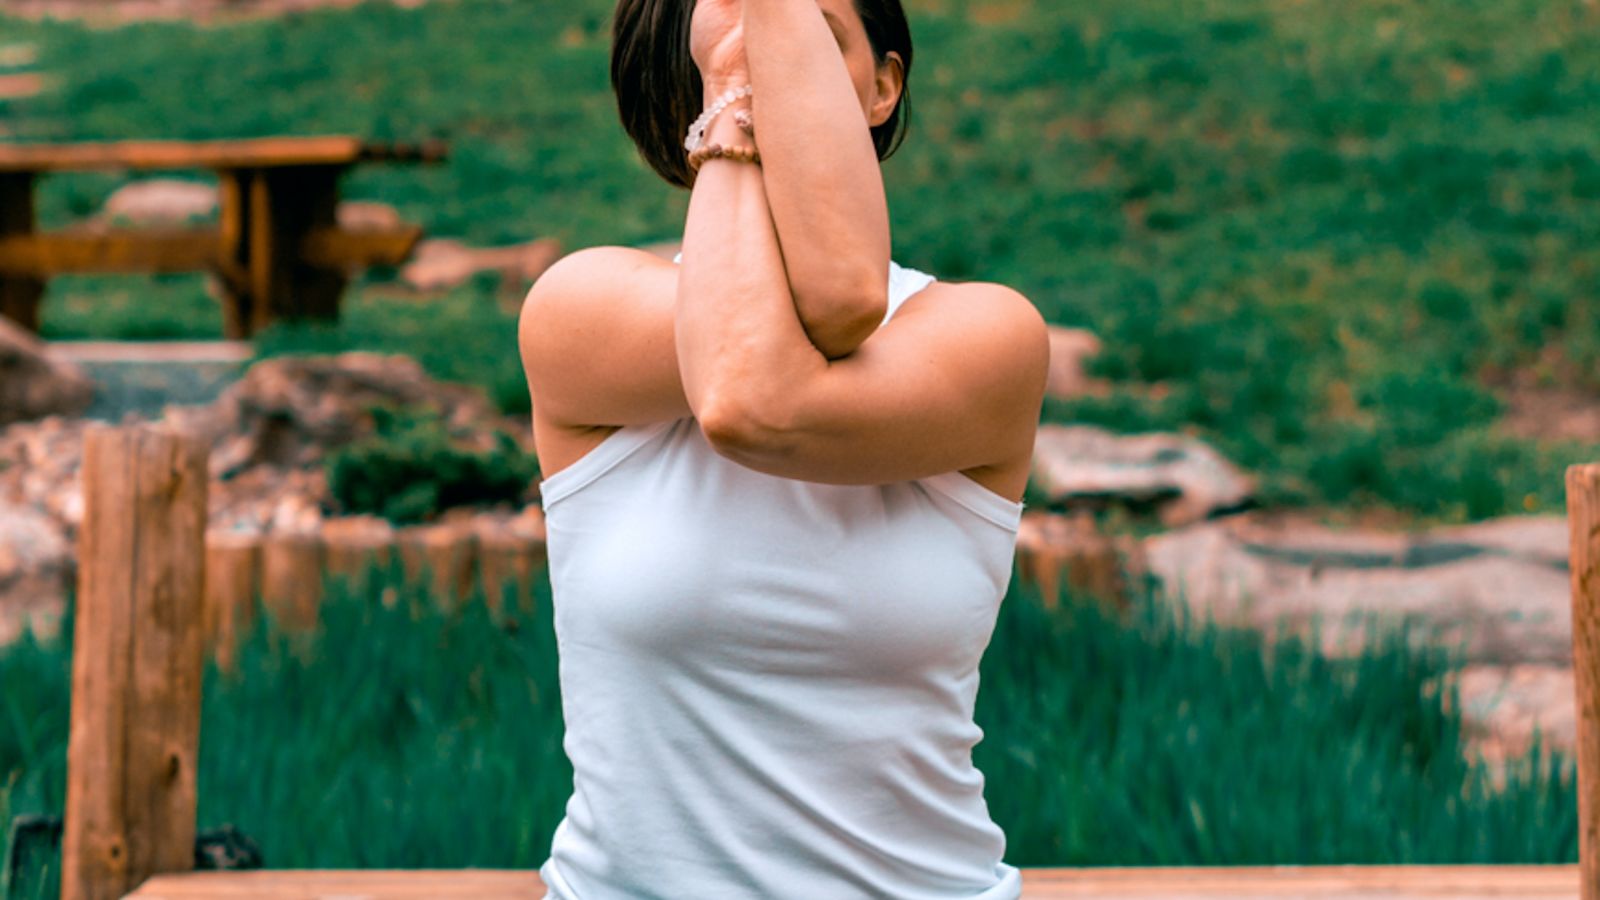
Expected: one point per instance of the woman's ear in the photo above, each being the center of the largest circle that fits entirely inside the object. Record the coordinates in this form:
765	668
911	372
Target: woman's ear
888	83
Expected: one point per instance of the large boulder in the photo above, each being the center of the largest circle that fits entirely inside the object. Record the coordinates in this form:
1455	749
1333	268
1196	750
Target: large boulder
271	431
34	384
1499	591
441	263
1181	478
290	411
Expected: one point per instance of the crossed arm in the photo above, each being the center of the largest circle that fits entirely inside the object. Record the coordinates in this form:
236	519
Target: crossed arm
940	390
955	381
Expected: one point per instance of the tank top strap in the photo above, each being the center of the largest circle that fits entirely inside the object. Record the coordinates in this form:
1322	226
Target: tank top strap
904	282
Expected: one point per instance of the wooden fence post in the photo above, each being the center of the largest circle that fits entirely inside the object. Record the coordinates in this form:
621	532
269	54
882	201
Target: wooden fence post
137	661
291	579
1583	520
233	579
445	554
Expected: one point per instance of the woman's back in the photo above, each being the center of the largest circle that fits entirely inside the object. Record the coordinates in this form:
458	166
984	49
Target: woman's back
768	683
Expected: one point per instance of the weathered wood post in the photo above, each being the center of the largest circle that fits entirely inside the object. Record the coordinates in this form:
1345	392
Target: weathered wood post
445	555
137	661
291	579
1583	519
233	579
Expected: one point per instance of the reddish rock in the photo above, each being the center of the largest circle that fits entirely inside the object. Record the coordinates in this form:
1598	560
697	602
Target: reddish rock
1183	479
1498	590
1071	349
440	264
34	384
159	201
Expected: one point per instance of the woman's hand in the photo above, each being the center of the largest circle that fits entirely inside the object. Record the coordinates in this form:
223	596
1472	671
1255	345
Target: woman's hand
716	44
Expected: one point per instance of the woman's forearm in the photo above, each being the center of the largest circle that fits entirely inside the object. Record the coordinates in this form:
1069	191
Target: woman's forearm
821	172
738	336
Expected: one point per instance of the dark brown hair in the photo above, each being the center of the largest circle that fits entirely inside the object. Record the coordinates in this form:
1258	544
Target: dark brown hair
658	87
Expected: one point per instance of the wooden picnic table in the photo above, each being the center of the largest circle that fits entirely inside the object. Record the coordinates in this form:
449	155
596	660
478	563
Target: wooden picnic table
277	249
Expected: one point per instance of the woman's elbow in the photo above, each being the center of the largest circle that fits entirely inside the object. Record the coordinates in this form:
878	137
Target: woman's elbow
840	319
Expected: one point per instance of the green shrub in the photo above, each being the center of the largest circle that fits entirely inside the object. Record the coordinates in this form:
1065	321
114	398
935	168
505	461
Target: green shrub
412	469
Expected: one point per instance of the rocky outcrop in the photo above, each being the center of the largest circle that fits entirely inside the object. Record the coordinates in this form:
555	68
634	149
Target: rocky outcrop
440	264
32	383
289	412
269	432
1180	478
1498	590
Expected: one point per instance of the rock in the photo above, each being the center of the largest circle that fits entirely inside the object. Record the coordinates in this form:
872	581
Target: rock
1503	707
272	430
363	215
39	464
159	201
36	570
1180	477
21	85
34	384
1549	412
1071	349
440	264
1499	590
271	433
290	411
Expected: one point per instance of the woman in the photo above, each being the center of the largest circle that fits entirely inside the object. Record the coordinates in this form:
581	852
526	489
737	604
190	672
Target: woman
782	482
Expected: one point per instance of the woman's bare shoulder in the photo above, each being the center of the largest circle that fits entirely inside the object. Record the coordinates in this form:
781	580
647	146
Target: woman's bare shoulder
594	269
961	298
596	338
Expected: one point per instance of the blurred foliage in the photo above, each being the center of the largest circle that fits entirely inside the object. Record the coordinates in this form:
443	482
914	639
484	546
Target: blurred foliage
407	737
1318	235
412	469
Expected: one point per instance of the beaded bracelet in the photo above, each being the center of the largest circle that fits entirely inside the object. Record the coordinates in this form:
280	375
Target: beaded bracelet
717	151
697	130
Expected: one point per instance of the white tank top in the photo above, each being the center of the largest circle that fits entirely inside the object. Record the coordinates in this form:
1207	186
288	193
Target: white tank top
768	684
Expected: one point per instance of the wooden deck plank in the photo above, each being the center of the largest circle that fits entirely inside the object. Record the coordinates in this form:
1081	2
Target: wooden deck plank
302	884
1260	883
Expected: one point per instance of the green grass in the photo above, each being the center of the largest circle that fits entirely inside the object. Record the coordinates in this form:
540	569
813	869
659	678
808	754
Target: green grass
1325	231
1147	741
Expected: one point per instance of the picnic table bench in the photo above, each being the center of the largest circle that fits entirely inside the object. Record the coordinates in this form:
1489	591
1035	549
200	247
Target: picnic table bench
277	249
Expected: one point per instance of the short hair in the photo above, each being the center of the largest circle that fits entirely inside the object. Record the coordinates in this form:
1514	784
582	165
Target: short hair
658	87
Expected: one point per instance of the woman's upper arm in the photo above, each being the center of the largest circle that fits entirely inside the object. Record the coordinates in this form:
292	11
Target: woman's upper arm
954	381
596	338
